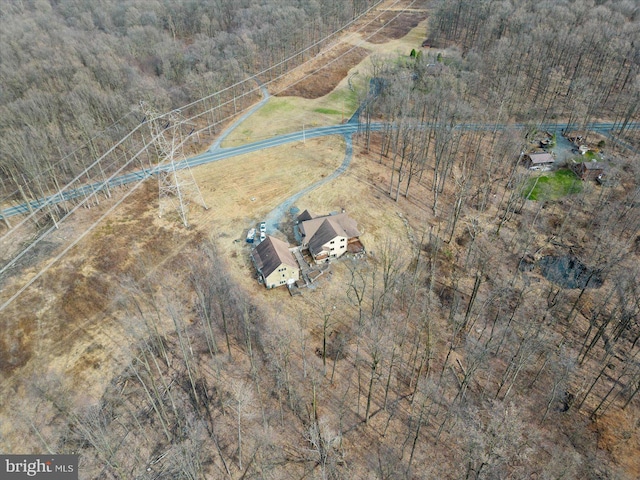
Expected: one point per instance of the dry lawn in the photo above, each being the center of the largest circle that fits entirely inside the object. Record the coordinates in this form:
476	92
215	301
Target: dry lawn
67	324
247	187
291	114
397	46
62	323
70	326
317	104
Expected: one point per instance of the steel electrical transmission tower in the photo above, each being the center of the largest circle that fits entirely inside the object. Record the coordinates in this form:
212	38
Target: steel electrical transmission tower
176	186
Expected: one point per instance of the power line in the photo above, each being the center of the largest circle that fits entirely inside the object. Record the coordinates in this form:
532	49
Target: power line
218	93
105	183
176	187
86	171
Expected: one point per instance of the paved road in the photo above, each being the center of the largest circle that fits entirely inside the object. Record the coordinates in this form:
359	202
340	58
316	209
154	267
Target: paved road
207	157
234	125
218	153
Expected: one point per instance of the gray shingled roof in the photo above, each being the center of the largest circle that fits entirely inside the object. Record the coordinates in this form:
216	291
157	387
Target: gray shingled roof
537	158
342	223
593	165
270	254
324	234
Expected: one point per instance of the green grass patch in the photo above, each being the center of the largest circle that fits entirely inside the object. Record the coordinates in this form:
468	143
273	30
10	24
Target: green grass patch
553	186
589	156
277	105
343	98
327	111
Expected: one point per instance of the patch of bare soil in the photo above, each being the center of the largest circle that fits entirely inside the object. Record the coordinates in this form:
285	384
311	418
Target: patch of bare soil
400	22
322	75
619	434
300	82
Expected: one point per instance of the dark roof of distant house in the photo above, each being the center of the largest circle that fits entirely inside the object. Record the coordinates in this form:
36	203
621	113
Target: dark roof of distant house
537	158
304	216
271	253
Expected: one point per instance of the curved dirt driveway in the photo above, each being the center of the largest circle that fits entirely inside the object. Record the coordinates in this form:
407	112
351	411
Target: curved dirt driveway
276	215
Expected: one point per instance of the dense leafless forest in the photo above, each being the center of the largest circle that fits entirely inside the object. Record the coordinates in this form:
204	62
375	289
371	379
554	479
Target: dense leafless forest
73	73
544	60
461	356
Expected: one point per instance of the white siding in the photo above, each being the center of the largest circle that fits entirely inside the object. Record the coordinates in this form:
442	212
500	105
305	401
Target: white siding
281	276
336	247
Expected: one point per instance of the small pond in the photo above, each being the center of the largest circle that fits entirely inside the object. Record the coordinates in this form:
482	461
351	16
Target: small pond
568	272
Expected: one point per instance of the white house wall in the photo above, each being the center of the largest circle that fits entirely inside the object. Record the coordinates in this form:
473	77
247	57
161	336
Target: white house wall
334	249
281	276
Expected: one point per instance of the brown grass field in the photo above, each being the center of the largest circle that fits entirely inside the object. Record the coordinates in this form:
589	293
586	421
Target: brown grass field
70	326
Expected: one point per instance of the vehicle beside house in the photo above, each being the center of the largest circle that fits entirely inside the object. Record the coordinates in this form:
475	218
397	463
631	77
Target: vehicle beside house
251	235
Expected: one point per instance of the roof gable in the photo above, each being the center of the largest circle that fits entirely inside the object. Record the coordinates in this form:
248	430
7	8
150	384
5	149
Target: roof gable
304	216
341	222
270	254
324	235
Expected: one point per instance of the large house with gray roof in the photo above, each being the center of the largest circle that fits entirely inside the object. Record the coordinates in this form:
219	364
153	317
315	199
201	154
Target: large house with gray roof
328	236
275	263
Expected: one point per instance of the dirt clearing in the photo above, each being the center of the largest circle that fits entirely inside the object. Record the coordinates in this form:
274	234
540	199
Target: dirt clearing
321	75
400	22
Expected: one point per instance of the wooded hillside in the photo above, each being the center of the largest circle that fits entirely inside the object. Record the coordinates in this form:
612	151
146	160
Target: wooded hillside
488	332
541	61
73	73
